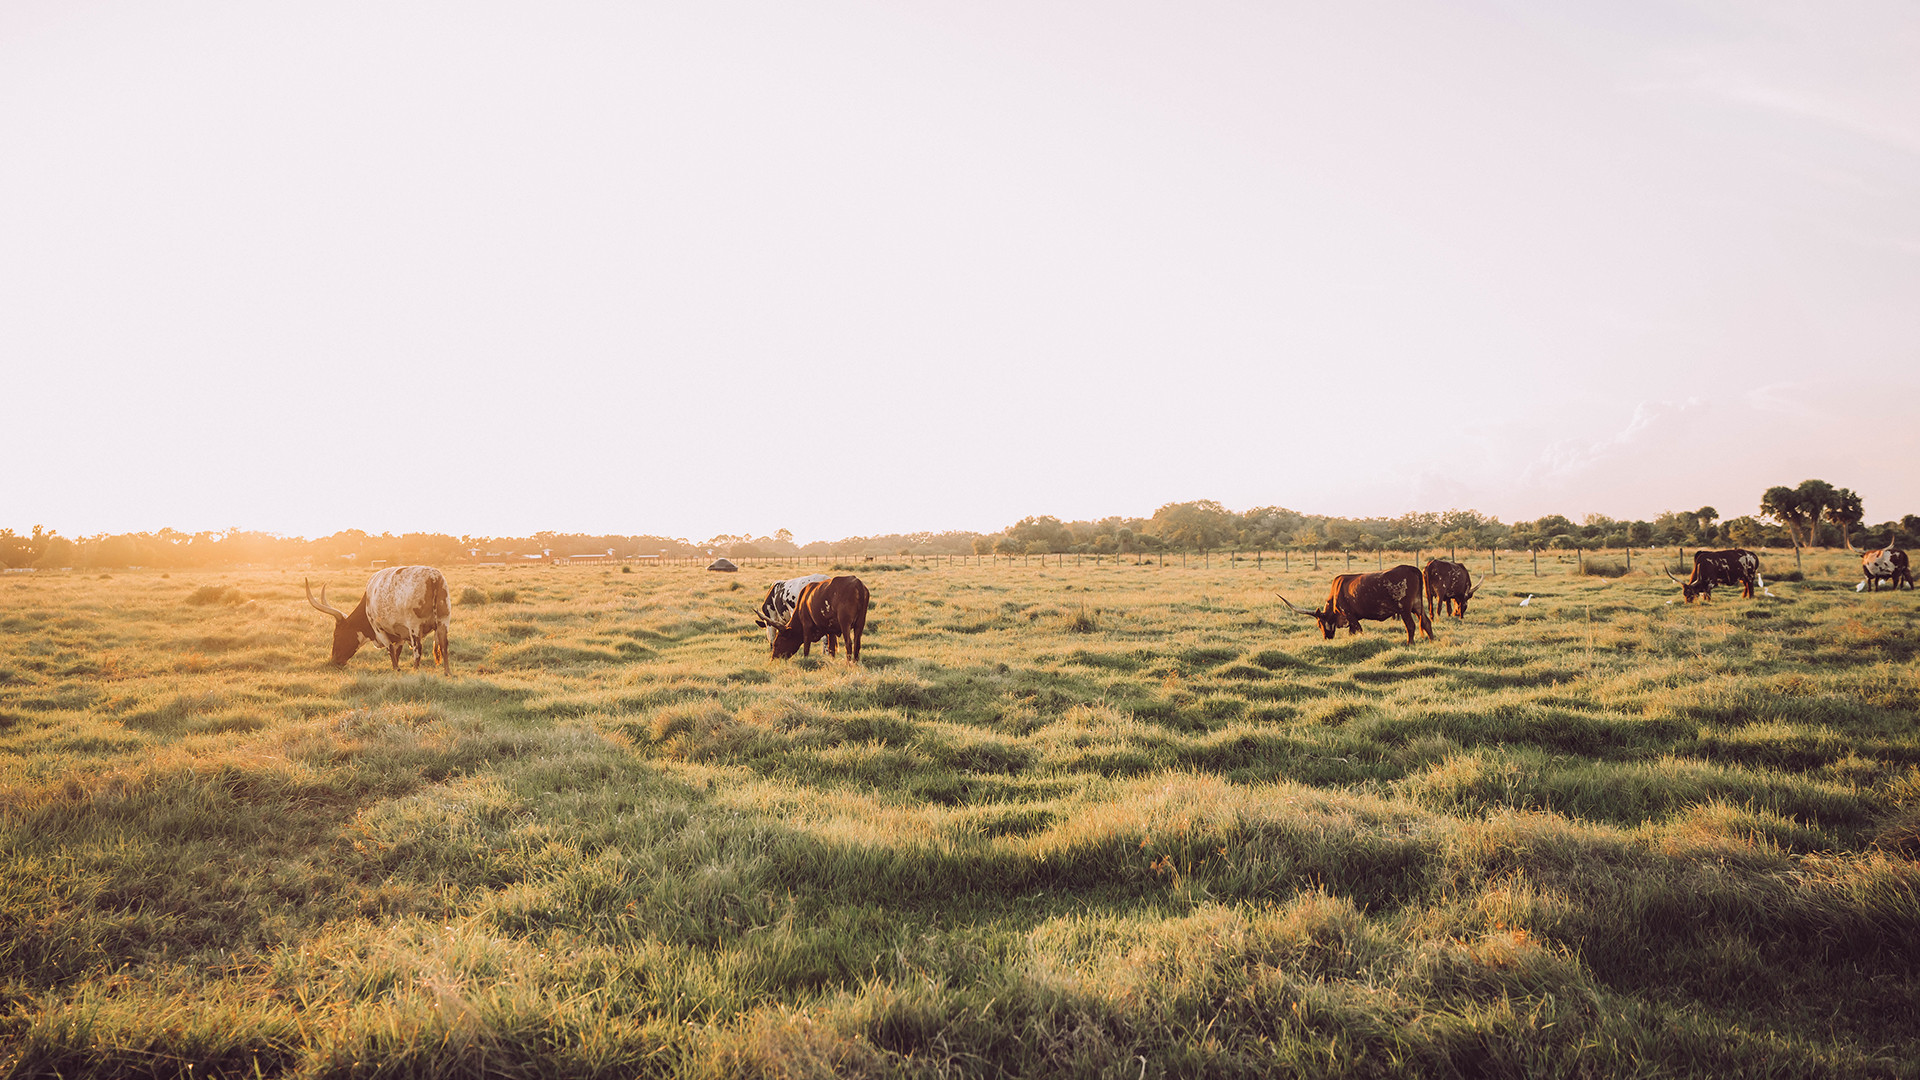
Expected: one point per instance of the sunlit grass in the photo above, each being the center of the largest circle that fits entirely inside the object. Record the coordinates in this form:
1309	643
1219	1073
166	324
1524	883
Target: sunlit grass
1104	820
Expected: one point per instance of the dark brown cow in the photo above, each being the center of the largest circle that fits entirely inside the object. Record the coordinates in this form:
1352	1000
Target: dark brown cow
1389	594
830	609
1449	586
1734	566
1889	564
402	605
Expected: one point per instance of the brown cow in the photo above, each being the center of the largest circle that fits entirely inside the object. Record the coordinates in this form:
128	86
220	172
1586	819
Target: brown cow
1449	586
1389	594
1734	566
830	609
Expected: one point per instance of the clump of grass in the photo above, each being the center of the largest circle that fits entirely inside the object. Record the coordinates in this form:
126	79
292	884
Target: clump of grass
471	595
1604	568
1084	621
504	596
216	594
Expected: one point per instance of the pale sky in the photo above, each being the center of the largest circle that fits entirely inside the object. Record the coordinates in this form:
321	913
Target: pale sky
852	268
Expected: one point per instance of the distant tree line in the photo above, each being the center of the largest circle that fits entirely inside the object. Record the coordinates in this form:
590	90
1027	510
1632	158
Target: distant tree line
1812	514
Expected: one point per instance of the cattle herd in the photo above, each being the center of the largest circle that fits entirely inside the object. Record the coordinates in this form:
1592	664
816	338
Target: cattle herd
403	605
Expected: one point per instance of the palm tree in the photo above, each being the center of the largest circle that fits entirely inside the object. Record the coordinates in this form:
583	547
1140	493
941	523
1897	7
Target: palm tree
1847	512
1782	504
1815	497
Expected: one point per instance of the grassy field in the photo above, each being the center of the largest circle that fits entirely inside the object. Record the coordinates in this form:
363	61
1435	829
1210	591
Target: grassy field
1110	820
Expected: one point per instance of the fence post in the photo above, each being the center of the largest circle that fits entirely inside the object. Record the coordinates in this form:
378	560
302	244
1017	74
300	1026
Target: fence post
1495	552
1536	561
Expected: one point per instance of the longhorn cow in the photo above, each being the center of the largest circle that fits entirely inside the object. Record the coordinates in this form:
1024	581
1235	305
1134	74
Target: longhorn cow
402	605
1889	564
1389	594
1448	586
832	609
1734	566
776	611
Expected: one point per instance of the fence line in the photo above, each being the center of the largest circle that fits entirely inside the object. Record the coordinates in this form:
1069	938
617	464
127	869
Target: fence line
1479	560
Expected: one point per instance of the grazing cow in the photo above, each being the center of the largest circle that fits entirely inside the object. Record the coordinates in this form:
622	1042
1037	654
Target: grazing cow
776	611
402	605
832	609
1889	564
1734	566
1449	586
1389	594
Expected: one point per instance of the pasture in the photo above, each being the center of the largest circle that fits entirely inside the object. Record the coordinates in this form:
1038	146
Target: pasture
1108	820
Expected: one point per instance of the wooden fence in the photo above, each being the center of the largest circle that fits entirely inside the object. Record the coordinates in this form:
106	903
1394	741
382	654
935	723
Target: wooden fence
1527	562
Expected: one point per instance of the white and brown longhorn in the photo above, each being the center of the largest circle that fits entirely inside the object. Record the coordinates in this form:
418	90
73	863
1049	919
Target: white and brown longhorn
402	605
776	611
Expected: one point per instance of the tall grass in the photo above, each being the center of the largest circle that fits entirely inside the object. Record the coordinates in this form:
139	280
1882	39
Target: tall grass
1107	820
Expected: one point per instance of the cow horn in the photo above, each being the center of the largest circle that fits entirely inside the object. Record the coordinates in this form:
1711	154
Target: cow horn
1676	580
1474	587
1291	608
321	604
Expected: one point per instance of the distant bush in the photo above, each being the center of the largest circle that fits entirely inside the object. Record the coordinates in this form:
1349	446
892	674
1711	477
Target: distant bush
626	569
1606	568
471	595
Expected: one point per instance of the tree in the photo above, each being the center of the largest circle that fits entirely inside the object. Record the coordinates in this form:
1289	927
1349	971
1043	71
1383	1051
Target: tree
1782	504
1198	525
1703	523
1847	512
1815	497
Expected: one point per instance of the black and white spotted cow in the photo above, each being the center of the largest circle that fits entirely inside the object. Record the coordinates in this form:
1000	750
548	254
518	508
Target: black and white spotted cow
1889	564
1733	566
776	611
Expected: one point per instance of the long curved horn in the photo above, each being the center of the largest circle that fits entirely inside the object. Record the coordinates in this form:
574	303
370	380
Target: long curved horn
1676	580
1474	587
1293	609
321	604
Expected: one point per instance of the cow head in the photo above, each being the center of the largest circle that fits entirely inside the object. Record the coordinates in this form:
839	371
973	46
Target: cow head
786	640
1328	616
347	635
1688	589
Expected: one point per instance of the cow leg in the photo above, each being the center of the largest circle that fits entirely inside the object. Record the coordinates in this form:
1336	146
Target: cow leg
440	650
853	643
393	652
